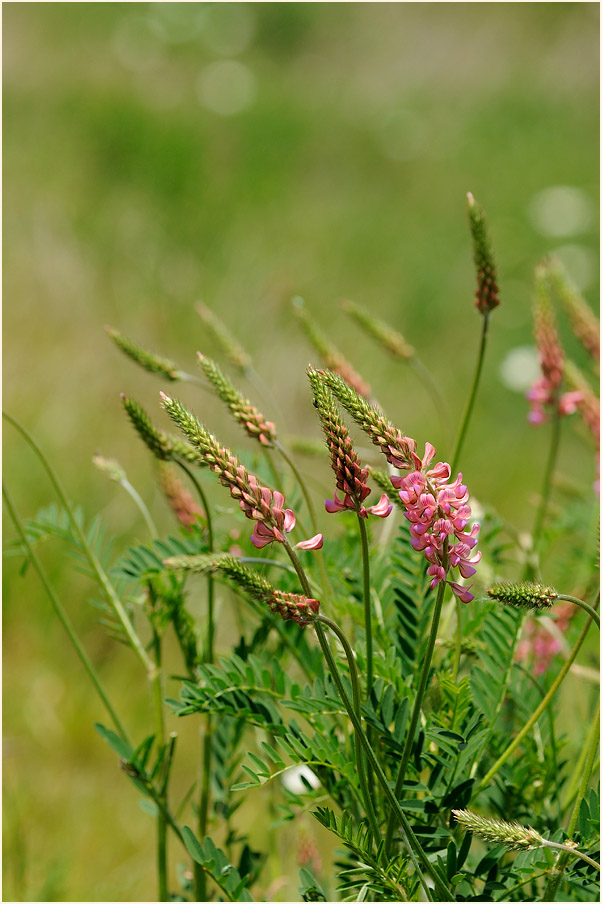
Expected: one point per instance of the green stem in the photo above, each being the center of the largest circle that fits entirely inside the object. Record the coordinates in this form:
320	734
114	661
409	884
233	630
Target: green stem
585	606
422	685
458	641
200	877
64	618
102	578
571	851
540	517
473	393
562	859
367	606
440	884
161	821
357	704
141	505
577	777
540	709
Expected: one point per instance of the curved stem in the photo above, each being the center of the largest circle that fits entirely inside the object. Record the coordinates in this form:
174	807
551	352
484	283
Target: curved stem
357	704
440	883
574	852
540	709
102	578
422	684
142	507
64	618
473	393
589	609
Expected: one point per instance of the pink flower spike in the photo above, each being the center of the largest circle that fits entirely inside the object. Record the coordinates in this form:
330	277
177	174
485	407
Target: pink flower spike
313	543
382	508
463	593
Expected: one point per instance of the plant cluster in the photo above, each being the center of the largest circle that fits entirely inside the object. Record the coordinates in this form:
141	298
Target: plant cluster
412	714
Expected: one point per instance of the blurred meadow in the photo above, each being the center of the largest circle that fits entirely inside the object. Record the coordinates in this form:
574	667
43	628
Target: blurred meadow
159	154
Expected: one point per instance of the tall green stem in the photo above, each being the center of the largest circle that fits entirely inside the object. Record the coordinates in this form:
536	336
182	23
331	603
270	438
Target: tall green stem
357	705
200	877
414	845
537	713
161	821
422	685
563	858
64	618
367	605
102	578
429	383
473	394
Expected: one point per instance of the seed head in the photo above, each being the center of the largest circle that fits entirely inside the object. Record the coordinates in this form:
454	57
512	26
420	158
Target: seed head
243	411
290	606
487	295
163	446
524	595
586	325
511	834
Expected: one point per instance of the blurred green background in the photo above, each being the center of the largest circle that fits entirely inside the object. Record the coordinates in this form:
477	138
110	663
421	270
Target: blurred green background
164	153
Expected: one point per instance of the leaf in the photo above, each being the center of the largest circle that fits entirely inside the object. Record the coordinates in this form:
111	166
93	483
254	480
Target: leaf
121	747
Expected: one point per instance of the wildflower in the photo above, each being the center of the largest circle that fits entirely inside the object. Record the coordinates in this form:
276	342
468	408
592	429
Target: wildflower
163	446
290	606
350	476
437	510
487	296
545	395
258	503
439	514
244	412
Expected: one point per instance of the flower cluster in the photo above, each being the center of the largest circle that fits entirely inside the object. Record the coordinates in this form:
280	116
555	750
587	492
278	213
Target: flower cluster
290	606
545	395
437	510
350	476
180	500
439	513
259	503
511	834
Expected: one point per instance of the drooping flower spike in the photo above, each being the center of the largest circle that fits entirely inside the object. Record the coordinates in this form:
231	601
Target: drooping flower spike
290	606
350	476
259	503
252	421
545	395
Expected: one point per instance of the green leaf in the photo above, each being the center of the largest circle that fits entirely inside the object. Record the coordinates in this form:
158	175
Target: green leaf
115	742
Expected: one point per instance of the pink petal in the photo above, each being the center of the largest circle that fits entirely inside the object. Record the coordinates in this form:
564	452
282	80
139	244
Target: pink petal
289	520
463	593
382	508
313	543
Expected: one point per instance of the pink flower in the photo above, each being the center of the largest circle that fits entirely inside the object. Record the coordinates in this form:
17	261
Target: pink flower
439	513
